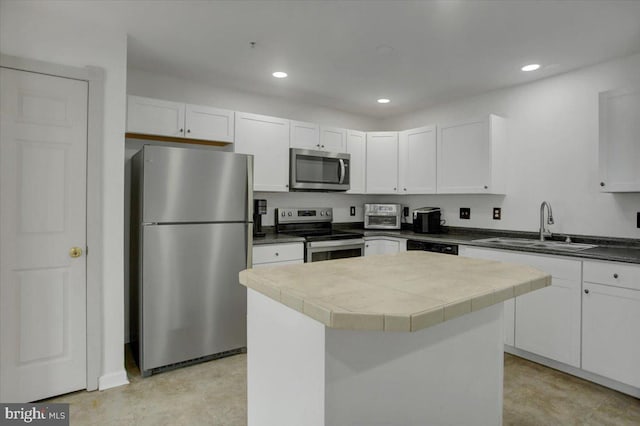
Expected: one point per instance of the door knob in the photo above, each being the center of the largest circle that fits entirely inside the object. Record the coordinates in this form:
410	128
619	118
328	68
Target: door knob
75	252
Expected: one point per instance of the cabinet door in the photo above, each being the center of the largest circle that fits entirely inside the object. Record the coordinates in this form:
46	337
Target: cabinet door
212	124
154	116
417	161
472	157
381	246
610	343
382	163
267	139
333	139
357	148
304	135
548	321
619	135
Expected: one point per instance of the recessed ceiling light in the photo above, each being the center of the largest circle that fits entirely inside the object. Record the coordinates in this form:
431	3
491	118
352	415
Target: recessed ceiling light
383	101
280	74
530	67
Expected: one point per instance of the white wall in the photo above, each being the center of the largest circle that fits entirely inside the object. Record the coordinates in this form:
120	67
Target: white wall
58	32
553	155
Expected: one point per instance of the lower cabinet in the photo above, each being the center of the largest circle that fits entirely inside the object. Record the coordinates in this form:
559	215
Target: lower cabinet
277	254
546	321
610	320
385	245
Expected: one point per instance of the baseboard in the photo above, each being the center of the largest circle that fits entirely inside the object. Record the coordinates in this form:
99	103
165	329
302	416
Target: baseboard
113	380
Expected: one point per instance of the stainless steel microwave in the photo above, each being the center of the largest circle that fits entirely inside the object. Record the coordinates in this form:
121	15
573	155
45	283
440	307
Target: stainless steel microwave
311	170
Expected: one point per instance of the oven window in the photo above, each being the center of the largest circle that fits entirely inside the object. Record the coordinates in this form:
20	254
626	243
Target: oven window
311	169
383	220
336	254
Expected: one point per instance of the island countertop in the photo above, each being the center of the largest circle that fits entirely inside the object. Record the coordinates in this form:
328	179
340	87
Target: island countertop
407	291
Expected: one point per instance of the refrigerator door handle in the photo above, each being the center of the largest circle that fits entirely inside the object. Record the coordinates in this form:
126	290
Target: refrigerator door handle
249	188
250	245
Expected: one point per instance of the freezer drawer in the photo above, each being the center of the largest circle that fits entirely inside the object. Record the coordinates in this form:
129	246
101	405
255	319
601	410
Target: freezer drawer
192	304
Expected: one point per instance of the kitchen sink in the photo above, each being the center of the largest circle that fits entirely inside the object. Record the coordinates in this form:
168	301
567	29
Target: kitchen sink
527	243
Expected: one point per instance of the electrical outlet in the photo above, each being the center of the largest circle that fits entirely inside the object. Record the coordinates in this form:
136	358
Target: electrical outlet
352	211
497	213
465	213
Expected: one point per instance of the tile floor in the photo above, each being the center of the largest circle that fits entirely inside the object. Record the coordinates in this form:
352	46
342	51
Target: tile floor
214	393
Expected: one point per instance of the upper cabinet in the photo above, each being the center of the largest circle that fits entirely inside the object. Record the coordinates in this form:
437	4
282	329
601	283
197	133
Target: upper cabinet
178	120
357	148
472	156
267	139
333	139
417	161
620	141
304	135
382	163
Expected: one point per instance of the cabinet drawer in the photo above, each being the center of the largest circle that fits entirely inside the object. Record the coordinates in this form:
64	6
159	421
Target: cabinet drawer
611	273
269	253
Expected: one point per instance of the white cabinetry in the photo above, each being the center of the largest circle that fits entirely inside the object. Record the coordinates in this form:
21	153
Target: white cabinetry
384	245
165	118
333	139
277	254
357	148
382	163
267	139
619	136
547	321
304	135
610	319
472	156
417	161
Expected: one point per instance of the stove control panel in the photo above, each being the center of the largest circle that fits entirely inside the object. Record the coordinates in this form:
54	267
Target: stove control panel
308	214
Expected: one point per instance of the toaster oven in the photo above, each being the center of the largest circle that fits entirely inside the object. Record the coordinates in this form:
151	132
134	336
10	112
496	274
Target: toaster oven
382	216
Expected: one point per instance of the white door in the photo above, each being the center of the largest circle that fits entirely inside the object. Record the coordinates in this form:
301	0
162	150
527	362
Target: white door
267	139
43	140
417	161
382	162
357	148
333	140
207	123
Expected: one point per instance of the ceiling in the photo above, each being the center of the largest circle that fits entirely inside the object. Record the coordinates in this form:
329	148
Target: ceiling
347	54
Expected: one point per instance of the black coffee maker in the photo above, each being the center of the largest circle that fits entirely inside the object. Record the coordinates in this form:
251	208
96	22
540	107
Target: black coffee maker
259	210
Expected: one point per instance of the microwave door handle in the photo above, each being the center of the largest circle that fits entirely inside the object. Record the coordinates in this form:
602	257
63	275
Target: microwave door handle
342	170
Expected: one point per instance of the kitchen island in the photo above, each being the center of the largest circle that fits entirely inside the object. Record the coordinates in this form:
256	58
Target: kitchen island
414	338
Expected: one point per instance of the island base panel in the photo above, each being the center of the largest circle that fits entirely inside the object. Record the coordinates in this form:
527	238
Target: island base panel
301	372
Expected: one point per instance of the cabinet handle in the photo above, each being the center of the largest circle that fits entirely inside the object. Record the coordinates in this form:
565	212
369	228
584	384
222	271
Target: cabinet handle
394	189
322	146
601	183
615	276
405	189
367	245
188	130
586	291
277	254
318	145
486	187
181	130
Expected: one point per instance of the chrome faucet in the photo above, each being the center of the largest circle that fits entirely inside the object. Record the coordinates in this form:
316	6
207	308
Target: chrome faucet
545	232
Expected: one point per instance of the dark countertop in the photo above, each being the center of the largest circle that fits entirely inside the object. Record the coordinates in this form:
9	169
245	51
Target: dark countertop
271	237
609	249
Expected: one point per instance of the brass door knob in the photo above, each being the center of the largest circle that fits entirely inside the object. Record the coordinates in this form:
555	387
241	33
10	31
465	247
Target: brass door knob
75	252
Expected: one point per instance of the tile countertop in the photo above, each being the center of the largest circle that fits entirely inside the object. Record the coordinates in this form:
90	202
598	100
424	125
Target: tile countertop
407	291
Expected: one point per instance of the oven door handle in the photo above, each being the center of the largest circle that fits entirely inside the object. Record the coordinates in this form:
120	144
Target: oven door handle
336	243
342	170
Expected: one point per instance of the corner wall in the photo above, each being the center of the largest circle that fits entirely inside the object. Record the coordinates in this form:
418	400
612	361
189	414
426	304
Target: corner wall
553	155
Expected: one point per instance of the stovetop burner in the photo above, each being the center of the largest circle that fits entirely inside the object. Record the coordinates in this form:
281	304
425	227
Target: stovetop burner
314	224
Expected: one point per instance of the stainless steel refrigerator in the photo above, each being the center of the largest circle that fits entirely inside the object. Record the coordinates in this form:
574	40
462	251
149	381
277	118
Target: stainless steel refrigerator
191	235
